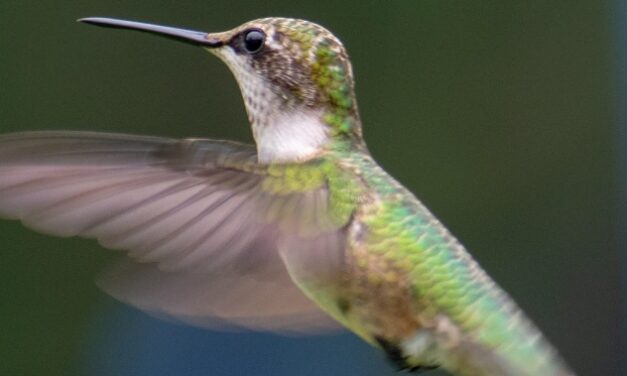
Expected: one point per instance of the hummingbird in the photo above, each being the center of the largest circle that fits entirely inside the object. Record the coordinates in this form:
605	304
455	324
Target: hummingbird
301	232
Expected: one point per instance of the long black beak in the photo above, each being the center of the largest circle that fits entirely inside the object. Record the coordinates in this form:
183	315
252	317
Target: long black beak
197	38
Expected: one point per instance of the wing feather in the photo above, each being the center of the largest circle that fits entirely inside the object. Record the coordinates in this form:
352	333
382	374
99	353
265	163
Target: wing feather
205	241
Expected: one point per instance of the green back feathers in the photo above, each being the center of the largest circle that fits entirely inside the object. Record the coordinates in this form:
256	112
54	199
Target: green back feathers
446	281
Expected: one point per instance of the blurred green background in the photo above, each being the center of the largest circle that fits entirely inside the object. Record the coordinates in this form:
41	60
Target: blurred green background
499	115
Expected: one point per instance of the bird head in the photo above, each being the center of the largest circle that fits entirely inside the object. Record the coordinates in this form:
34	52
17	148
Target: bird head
295	78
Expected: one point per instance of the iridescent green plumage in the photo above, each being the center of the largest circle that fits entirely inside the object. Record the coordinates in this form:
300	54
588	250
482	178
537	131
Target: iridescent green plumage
448	286
219	232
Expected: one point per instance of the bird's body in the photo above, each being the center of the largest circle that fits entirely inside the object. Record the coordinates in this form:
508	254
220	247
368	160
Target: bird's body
411	288
220	232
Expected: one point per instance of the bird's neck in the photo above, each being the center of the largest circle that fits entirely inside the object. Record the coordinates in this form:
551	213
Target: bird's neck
296	136
290	137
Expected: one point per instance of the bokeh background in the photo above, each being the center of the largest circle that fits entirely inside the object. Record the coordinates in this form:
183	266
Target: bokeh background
507	118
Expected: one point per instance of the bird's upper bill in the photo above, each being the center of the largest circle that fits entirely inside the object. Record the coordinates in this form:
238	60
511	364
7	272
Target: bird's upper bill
198	38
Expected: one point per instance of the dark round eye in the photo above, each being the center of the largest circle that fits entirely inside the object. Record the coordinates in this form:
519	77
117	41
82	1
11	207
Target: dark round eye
253	41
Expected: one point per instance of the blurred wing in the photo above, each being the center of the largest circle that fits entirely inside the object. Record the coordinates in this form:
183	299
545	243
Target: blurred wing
202	222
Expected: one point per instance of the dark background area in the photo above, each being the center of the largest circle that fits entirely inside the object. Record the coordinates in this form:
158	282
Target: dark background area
500	115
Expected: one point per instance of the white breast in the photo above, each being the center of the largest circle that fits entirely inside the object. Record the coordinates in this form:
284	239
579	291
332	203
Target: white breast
290	137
